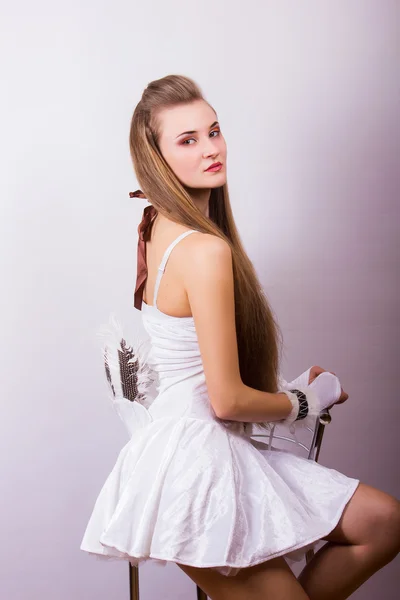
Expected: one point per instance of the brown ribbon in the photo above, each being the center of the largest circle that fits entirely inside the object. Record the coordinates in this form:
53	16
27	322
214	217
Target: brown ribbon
144	230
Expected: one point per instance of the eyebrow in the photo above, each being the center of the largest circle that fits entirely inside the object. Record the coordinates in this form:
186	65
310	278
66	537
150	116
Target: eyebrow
187	132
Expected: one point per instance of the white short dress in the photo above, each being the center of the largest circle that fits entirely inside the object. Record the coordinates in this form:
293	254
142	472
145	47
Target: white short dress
192	489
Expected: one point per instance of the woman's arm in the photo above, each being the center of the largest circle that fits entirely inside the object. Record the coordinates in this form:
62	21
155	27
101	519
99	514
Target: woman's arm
208	279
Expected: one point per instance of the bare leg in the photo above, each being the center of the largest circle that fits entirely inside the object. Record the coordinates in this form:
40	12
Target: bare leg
366	538
271	579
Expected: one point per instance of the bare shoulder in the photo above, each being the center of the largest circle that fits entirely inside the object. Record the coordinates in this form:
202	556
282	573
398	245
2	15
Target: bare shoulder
207	269
202	248
207	273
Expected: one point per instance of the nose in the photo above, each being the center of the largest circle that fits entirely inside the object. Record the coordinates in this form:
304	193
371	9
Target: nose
209	149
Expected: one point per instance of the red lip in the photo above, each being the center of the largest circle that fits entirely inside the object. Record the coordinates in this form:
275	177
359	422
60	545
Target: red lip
214	165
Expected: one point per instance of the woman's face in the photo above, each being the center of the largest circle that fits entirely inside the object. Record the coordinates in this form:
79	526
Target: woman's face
191	141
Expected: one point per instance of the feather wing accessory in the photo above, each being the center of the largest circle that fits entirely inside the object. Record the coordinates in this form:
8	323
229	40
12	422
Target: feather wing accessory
128	374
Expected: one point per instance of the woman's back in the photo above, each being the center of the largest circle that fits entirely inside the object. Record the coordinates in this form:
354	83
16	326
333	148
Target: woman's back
175	354
171	297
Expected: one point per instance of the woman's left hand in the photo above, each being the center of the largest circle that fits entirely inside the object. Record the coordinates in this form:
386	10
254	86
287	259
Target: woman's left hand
315	371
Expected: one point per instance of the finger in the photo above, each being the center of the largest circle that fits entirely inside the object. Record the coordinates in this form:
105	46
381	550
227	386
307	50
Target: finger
343	397
314	372
318	370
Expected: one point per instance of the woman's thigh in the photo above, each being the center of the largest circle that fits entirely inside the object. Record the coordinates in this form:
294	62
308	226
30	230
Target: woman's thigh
270	579
369	515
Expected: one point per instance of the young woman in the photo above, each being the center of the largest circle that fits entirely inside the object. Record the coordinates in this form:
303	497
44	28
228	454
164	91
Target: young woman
192	486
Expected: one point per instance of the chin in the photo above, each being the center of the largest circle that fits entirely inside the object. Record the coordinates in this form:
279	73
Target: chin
220	181
216	180
217	185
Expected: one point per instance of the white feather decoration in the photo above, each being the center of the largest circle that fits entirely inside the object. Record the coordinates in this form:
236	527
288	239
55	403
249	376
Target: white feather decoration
128	373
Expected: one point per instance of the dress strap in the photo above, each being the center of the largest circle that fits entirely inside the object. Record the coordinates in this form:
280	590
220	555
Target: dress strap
164	260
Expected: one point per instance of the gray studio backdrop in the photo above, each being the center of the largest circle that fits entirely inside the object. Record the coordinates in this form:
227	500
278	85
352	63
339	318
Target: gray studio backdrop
307	96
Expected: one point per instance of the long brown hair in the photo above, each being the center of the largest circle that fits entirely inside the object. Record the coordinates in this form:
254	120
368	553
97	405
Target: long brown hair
258	334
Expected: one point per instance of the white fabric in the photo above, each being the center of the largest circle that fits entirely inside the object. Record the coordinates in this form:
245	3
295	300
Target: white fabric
190	488
327	387
321	393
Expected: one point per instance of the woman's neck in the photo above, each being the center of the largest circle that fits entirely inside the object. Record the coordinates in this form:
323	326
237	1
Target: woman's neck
201	197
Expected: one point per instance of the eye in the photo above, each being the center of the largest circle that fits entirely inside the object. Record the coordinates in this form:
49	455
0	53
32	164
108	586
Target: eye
186	142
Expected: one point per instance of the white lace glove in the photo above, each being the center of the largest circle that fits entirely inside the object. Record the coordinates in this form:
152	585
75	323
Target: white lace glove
321	393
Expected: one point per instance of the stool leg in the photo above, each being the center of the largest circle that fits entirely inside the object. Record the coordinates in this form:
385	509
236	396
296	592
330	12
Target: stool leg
134	585
133	582
309	555
200	594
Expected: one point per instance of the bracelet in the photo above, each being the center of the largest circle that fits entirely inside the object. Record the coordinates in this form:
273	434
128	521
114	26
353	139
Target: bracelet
305	407
303	404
